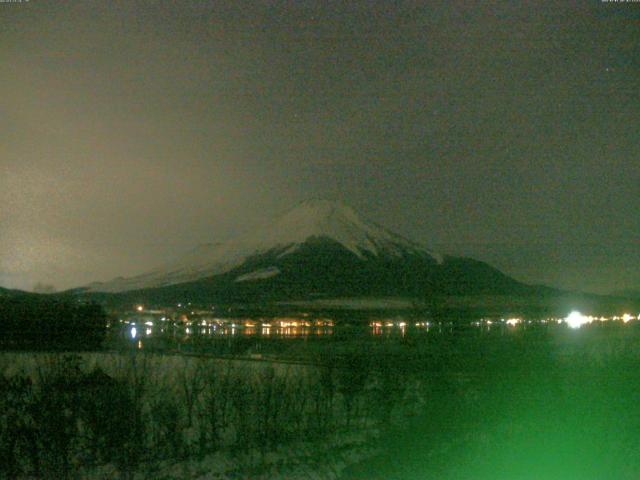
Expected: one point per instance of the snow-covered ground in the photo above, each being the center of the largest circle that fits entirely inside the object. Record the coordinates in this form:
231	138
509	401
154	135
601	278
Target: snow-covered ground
191	383
319	460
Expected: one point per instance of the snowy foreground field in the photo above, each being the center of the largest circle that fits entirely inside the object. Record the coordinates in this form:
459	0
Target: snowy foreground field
549	403
107	415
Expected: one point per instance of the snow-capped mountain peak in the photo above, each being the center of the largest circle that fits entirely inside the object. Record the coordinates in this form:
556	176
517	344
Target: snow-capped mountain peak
336	221
320	219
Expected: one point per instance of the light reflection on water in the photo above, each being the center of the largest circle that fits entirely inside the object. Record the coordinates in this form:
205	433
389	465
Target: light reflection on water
279	330
184	334
398	327
229	331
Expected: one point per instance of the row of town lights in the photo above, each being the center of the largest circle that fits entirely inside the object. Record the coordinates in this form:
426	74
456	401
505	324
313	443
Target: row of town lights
574	320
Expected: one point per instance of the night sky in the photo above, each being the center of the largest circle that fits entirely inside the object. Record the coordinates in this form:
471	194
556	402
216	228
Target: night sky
133	131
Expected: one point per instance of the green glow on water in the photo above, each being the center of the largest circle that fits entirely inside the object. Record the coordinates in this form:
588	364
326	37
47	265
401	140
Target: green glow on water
556	408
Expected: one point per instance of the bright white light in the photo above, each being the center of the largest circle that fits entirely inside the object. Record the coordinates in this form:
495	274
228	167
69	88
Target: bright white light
576	319
626	318
139	308
134	332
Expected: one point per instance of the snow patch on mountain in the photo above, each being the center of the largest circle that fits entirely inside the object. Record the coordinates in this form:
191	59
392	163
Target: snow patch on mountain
258	274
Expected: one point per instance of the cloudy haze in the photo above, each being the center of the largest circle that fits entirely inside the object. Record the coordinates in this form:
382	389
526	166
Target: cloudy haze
134	131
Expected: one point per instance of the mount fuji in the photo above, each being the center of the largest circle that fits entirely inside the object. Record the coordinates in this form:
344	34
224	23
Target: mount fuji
319	249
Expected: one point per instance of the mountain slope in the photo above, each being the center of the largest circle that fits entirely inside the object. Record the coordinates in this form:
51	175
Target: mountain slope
323	269
11	293
630	293
317	250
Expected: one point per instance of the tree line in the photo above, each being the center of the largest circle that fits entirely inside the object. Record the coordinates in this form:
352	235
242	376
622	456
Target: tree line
40	322
67	418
